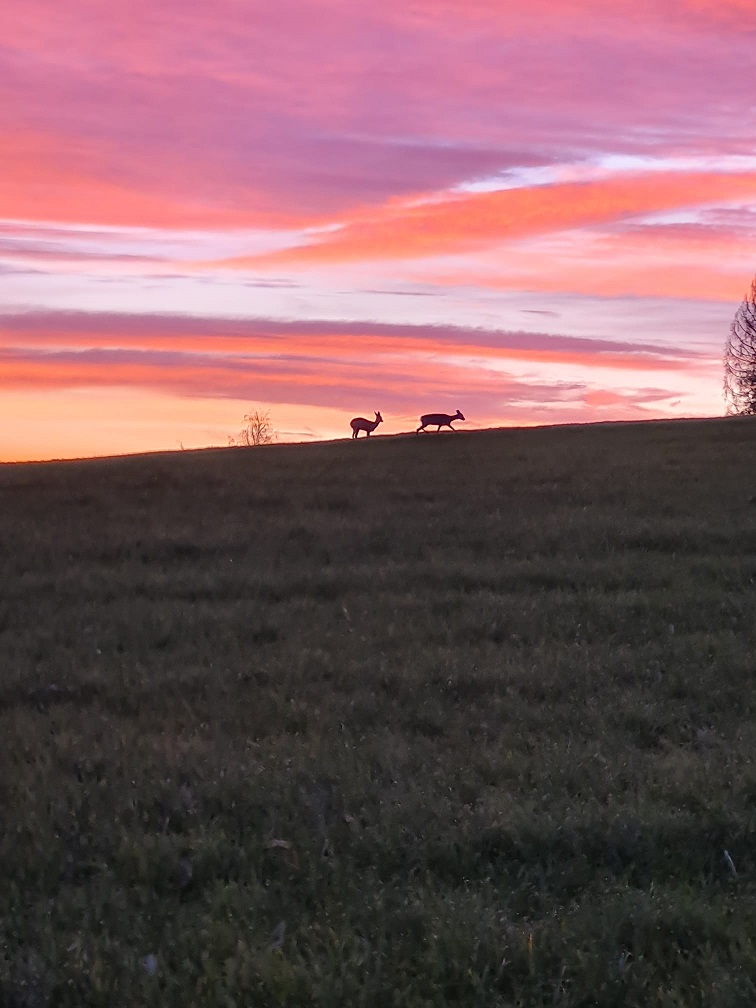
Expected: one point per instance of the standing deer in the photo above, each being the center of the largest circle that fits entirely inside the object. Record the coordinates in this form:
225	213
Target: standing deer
360	423
440	419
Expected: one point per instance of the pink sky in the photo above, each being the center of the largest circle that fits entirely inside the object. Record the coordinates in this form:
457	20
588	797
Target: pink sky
542	211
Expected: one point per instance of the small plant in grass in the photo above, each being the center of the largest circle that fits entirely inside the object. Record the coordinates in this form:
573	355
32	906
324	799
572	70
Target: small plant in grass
257	430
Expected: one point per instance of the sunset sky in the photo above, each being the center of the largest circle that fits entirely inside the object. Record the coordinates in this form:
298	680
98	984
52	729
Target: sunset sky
535	211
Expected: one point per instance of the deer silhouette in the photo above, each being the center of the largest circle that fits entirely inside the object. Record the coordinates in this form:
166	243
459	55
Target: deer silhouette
440	419
360	423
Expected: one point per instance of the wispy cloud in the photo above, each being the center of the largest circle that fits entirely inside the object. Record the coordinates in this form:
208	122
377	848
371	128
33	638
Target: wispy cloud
362	340
466	223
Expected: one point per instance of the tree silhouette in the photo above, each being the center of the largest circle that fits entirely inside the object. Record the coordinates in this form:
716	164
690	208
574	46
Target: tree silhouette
740	358
257	430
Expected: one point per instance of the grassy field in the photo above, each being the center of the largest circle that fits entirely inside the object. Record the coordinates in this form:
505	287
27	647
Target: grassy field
463	719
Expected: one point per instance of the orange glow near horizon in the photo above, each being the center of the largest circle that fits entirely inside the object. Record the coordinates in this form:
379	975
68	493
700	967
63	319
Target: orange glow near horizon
93	423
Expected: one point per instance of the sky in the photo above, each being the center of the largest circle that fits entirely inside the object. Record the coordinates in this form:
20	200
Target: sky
534	211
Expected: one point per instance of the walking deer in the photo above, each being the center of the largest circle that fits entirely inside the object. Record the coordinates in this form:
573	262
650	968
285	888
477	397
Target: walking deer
360	423
440	419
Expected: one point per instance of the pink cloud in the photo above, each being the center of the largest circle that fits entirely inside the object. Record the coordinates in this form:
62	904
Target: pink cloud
44	177
299	381
161	115
326	342
468	222
644	264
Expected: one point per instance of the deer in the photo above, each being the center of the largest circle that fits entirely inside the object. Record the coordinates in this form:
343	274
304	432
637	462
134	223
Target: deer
440	419
360	423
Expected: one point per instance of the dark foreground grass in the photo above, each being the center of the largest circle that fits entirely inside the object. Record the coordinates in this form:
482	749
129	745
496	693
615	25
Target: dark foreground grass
449	720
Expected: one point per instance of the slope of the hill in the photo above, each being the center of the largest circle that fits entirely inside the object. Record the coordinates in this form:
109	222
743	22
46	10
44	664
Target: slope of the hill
460	719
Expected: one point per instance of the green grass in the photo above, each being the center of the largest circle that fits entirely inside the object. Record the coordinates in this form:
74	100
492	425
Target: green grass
441	720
